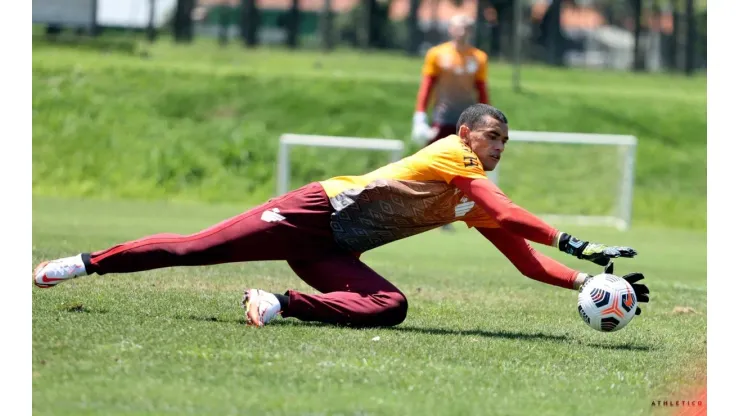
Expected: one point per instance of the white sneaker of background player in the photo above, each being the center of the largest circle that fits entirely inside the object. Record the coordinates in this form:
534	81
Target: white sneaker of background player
51	273
261	306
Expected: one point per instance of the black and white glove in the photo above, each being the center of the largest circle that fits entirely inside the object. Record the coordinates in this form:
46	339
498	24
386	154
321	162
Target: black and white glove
641	290
597	253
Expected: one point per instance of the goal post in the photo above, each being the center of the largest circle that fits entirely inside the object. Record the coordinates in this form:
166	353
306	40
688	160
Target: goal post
619	214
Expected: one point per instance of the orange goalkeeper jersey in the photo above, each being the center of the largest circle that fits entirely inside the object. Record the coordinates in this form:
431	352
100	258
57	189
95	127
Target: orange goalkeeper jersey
456	73
406	198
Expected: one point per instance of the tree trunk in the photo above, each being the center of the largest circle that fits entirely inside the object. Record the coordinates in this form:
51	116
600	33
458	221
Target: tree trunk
480	23
327	27
250	23
151	31
223	24
183	23
637	64
494	36
294	22
690	36
673	61
412	28
368	23
554	42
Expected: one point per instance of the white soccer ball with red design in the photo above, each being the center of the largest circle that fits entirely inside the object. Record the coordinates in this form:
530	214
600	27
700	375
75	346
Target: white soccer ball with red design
607	302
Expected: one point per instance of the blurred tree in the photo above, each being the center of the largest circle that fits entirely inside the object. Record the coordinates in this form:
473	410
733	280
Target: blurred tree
412	28
375	32
183	22
293	24
552	33
327	26
368	23
637	61
224	11
480	22
673	61
250	21
495	33
151	30
691	37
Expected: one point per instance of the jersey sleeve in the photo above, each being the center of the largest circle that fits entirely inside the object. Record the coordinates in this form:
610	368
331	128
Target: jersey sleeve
481	74
452	159
505	213
430	67
529	262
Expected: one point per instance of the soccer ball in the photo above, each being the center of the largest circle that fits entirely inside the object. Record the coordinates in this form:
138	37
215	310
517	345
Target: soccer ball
607	302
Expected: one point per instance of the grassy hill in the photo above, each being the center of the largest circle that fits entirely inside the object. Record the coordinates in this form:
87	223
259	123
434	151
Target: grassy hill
202	123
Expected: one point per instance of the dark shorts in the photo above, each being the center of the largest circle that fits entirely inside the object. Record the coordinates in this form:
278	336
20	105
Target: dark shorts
444	131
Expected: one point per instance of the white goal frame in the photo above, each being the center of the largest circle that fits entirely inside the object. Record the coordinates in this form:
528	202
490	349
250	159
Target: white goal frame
621	219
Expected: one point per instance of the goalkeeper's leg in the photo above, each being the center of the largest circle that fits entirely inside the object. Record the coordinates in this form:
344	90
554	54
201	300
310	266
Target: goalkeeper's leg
351	294
293	226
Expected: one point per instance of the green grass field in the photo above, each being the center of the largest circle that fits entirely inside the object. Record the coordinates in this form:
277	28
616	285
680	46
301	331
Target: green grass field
479	337
114	136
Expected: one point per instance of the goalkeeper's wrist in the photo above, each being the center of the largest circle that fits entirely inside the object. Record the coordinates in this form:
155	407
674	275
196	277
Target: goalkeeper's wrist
580	279
556	239
569	244
420	117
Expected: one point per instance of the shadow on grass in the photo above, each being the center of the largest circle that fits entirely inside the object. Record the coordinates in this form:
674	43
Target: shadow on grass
77	307
539	336
240	321
622	347
512	335
427	331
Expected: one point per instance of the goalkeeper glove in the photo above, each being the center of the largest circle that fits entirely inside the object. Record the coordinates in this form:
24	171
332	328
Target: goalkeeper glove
421	132
641	290
597	253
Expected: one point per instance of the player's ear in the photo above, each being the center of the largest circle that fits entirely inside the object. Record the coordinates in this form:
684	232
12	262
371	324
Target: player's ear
463	131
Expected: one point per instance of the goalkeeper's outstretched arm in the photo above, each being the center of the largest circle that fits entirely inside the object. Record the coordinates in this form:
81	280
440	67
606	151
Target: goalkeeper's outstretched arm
542	268
522	223
531	263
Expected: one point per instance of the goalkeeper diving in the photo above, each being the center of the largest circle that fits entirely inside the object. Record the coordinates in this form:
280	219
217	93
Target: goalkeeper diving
323	228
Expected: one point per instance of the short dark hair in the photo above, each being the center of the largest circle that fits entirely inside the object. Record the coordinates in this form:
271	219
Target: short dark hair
473	115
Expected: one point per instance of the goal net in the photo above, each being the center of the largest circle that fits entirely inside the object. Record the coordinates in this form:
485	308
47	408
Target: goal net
565	178
570	178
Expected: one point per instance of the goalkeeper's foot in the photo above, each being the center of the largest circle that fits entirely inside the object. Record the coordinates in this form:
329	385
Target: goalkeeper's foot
260	307
51	273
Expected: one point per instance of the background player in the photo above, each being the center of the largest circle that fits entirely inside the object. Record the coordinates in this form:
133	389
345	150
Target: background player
322	229
455	73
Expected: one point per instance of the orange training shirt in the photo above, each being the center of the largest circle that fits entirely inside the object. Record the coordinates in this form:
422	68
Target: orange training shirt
456	73
406	197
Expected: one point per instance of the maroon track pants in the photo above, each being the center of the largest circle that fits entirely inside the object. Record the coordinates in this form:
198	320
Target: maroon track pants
294	227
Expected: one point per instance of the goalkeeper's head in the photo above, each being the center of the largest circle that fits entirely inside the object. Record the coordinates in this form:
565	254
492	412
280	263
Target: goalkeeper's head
485	130
461	28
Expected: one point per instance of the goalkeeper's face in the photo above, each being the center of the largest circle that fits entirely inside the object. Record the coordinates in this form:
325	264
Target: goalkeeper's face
487	140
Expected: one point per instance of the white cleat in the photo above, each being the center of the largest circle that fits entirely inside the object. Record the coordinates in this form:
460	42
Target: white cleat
51	273
260	307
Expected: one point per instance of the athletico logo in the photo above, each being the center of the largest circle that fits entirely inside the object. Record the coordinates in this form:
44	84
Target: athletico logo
464	207
272	216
